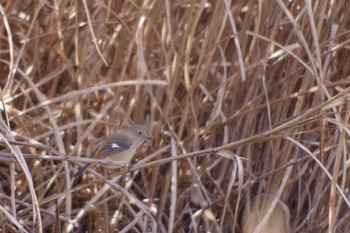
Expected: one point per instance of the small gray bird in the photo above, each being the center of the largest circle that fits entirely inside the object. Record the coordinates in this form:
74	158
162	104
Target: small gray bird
120	146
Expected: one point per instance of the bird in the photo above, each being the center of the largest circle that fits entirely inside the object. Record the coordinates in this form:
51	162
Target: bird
120	146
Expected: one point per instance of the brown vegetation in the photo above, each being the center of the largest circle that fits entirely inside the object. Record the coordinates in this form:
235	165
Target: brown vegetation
247	99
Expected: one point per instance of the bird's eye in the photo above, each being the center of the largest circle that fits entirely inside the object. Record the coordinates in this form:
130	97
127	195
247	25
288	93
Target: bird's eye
140	132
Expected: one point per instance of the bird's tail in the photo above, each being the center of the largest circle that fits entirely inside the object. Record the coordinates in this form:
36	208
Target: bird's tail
81	170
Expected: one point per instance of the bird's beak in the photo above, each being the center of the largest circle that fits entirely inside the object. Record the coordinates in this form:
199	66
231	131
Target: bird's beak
148	137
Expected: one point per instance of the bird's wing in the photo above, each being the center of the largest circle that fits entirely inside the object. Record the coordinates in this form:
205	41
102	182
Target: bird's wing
116	143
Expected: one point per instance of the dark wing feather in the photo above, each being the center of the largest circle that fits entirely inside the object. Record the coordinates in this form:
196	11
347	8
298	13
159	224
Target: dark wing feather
107	149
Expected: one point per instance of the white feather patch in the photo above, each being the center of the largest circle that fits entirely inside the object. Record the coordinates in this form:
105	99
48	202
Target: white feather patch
115	145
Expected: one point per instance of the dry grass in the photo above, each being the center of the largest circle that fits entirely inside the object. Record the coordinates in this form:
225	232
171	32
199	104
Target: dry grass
247	99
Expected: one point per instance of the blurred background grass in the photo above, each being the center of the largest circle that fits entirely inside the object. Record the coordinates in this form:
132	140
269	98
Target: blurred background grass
249	99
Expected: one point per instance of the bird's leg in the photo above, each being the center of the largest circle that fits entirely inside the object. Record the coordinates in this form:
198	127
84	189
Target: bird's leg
129	166
109	175
106	172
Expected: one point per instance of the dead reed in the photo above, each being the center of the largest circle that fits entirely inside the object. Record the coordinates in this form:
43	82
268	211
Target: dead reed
247	99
